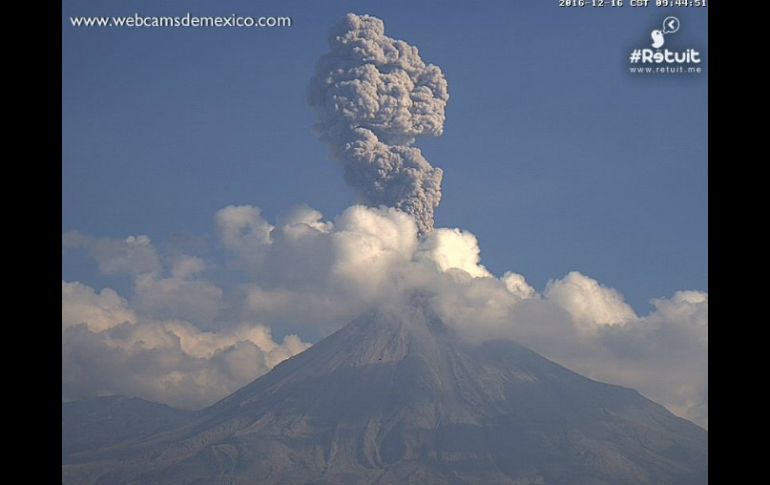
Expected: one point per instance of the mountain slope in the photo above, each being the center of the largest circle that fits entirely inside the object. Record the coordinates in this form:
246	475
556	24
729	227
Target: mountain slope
394	397
103	421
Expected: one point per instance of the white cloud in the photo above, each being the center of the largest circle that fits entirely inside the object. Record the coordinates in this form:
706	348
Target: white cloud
315	275
242	228
178	296
590	304
187	266
99	311
132	255
454	249
107	349
664	354
517	285
310	272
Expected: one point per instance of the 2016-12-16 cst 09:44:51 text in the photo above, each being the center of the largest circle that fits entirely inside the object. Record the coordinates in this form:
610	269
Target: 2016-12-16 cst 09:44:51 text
632	3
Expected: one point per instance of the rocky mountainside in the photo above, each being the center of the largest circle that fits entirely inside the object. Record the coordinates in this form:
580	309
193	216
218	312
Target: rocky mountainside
103	421
395	397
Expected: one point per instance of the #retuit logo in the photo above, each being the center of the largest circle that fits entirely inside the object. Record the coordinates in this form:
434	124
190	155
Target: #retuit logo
659	60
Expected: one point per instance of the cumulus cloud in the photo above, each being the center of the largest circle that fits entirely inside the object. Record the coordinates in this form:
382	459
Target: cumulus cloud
316	275
308	272
242	228
589	303
180	294
665	353
374	95
99	311
132	255
107	348
517	285
454	249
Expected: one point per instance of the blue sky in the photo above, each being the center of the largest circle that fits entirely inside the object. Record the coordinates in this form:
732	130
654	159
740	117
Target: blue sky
554	155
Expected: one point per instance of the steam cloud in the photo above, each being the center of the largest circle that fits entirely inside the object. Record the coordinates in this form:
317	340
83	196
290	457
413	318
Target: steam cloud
374	96
311	275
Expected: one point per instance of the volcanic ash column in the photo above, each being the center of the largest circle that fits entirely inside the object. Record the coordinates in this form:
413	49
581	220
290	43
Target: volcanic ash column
374	96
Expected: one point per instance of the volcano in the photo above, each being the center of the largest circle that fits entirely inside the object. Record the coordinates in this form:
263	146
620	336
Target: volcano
396	397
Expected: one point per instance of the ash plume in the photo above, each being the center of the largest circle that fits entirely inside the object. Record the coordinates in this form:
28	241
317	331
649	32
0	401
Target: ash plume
374	96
